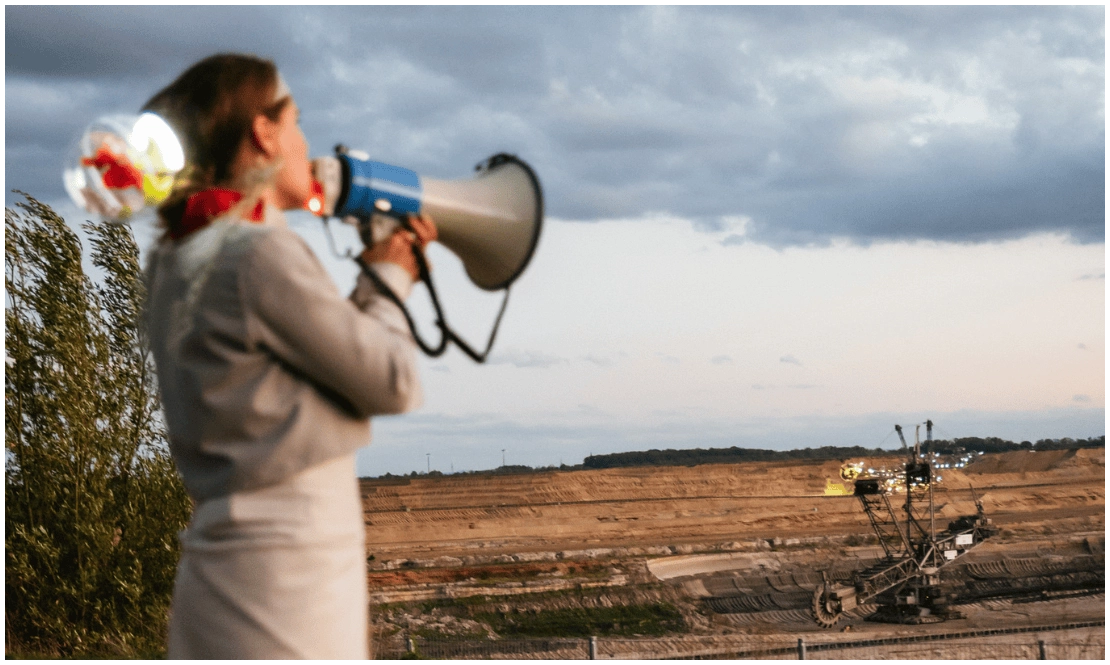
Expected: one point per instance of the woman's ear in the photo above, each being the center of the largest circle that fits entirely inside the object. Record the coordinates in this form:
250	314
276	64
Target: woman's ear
264	135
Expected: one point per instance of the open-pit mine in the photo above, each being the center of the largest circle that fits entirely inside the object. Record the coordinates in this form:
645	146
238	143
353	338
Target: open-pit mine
723	561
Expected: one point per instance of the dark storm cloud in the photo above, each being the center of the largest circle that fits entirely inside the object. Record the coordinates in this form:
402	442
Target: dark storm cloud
120	43
65	66
952	123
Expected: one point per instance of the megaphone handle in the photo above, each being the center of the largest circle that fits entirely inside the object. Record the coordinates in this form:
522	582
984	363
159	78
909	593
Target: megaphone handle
384	289
441	320
474	355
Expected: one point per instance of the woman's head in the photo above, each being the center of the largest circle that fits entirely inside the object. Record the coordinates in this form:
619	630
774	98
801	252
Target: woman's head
232	113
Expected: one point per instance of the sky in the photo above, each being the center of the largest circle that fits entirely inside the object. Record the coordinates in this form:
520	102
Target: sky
769	227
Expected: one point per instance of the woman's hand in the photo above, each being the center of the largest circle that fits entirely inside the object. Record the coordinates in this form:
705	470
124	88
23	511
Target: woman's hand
398	248
425	229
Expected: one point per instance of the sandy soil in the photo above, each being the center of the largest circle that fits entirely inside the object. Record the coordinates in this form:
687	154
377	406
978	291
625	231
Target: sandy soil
694	536
1024	492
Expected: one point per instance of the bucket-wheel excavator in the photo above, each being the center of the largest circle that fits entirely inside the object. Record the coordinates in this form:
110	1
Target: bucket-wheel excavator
905	583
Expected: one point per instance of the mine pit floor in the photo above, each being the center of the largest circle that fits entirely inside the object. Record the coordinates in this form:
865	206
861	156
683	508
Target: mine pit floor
684	536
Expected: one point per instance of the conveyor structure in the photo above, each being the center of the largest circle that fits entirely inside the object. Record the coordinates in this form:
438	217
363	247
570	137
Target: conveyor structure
905	583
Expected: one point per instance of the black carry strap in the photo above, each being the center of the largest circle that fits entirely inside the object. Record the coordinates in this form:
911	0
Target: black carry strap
446	333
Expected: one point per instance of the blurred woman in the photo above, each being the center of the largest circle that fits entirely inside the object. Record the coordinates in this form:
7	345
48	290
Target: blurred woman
268	377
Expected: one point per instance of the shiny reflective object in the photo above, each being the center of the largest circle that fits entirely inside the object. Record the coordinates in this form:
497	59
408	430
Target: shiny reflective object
123	164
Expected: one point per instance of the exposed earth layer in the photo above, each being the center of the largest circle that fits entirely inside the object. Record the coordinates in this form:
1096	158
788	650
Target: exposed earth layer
736	548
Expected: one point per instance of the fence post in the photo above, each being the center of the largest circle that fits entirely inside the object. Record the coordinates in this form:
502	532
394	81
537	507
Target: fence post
1041	655
593	648
801	649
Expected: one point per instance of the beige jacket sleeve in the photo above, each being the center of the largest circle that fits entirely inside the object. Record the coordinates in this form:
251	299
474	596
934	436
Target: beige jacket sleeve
360	348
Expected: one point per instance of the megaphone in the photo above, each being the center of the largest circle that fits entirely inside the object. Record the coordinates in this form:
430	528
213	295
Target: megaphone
492	221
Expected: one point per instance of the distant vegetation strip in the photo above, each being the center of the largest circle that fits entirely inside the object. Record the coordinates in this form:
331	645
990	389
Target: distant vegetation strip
736	454
695	456
655	619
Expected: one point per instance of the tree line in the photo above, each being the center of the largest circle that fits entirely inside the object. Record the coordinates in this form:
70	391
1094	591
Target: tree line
735	454
93	503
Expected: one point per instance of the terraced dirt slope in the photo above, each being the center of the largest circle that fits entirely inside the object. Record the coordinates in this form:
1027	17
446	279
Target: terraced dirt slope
736	549
1025	492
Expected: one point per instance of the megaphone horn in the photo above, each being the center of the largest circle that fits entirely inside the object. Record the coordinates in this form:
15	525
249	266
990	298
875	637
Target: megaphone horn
491	222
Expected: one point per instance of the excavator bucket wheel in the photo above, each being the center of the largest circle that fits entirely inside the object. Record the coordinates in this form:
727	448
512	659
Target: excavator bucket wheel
826	610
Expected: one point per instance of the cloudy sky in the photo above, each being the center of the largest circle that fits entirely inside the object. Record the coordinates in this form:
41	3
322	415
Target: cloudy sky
771	227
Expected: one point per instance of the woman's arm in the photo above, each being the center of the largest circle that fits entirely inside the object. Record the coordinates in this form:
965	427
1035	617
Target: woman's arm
360	349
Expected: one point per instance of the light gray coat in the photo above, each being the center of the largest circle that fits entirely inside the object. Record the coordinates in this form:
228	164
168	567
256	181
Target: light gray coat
264	369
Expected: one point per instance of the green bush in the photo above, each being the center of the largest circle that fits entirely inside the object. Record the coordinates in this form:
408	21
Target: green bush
93	503
627	620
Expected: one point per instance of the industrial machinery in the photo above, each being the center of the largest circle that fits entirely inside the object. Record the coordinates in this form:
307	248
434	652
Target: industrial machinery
905	583
851	470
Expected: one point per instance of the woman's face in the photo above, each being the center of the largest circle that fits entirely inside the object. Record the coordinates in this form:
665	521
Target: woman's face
293	185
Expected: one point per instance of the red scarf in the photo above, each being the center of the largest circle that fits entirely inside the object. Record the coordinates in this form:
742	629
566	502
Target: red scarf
204	206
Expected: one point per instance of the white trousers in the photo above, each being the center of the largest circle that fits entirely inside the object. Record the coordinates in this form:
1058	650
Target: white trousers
275	573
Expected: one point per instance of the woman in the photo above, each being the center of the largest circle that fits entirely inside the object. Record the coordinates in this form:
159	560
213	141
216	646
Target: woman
268	378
